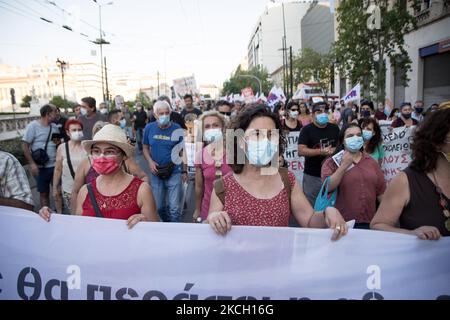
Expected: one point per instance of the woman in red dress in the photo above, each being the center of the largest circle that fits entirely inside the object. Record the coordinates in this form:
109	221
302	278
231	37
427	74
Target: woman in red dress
117	194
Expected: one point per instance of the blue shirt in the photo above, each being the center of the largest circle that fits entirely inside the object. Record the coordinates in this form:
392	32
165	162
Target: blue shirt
163	141
36	136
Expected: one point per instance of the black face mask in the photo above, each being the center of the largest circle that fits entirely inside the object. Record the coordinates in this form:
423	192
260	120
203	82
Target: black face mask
419	110
226	113
406	115
365	113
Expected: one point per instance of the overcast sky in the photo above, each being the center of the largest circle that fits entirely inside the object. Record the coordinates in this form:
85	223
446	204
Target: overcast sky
206	37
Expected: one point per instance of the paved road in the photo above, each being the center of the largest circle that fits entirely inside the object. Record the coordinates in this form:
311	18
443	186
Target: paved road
187	216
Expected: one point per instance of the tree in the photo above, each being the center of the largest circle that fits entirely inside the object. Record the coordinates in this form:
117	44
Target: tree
61	103
368	36
236	83
144	99
26	102
310	65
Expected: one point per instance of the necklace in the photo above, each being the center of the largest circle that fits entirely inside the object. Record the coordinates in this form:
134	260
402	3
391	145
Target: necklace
443	203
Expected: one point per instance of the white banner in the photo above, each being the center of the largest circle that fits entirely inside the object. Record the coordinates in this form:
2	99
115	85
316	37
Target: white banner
184	86
296	163
397	150
90	258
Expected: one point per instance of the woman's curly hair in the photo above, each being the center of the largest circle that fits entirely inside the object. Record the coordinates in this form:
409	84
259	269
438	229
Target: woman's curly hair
430	134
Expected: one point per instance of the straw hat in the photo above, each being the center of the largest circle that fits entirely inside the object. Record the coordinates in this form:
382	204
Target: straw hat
444	105
110	134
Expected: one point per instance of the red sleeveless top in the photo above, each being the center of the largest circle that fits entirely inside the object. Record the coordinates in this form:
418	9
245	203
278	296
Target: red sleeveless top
121	206
246	210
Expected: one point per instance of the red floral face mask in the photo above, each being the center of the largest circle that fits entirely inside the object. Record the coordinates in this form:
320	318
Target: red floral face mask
105	165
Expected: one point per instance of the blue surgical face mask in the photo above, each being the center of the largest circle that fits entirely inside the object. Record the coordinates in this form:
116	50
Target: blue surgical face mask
83	111
260	153
123	123
322	119
354	144
164	120
213	135
367	135
293	114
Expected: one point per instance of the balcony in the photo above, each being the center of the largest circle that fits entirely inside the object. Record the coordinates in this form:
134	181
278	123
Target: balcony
431	11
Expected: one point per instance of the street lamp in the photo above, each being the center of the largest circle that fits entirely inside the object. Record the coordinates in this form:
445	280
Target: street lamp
252	77
101	41
62	65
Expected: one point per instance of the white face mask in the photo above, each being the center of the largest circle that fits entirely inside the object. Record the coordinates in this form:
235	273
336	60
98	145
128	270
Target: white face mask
76	135
83	111
103	111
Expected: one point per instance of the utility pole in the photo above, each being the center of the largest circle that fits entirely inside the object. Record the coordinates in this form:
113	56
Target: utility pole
101	42
158	83
107	90
285	69
291	72
62	65
101	48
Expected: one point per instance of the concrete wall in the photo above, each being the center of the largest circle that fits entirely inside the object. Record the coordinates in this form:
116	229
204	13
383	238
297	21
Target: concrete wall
318	29
427	35
269	31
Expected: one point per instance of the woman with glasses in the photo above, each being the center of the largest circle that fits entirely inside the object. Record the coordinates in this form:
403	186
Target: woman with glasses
114	194
86	172
210	162
257	192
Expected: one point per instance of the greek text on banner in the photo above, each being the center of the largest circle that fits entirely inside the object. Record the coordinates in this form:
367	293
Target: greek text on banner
88	258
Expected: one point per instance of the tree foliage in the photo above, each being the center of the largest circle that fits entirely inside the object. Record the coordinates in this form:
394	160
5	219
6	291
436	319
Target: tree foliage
61	103
310	65
362	53
236	83
26	102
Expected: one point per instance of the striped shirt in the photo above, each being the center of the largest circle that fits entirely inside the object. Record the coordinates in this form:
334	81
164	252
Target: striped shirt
13	180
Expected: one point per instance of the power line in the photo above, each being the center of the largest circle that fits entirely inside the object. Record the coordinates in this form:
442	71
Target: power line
64	11
32	10
54	11
28	15
15	11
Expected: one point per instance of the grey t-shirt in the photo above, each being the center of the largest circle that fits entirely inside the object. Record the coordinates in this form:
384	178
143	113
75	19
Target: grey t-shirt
36	135
88	124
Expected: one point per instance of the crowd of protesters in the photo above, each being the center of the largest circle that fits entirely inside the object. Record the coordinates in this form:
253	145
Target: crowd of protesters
222	164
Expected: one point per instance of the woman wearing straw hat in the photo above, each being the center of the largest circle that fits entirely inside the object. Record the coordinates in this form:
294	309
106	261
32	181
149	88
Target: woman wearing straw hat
114	194
86	173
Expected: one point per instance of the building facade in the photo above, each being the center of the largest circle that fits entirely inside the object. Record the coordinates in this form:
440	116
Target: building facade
44	81
429	50
266	41
317	27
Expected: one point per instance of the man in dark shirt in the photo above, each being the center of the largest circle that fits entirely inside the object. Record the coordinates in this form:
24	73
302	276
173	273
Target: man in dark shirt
317	141
89	116
189	107
139	120
405	120
348	115
61	123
